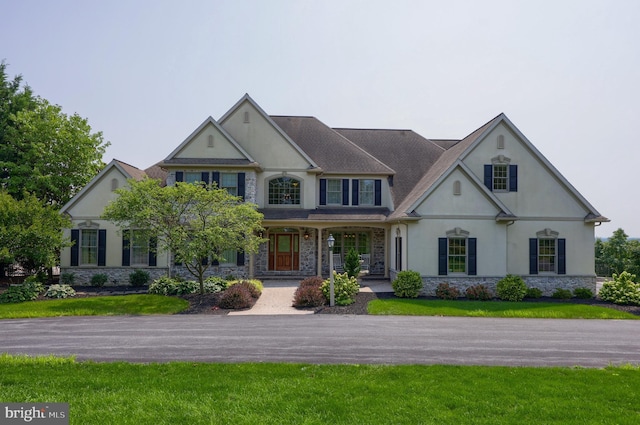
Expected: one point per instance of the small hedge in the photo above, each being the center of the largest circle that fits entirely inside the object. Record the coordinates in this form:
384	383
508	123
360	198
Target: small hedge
255	288
478	292
447	291
99	280
28	291
345	288
309	293
583	293
60	291
621	290
561	294
511	288
139	278
533	293
236	297
407	284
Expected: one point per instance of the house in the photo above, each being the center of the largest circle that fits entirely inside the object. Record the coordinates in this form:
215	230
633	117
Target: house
466	211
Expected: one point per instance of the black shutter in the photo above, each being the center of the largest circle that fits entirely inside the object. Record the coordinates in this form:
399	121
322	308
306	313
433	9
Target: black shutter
241	177
102	247
513	178
240	258
126	248
562	256
215	262
204	261
442	256
323	191
533	256
179	176
345	191
153	254
488	176
75	248
204	176
216	179
355	192
378	192
471	257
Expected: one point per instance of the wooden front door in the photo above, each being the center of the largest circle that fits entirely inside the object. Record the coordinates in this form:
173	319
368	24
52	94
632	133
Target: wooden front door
284	252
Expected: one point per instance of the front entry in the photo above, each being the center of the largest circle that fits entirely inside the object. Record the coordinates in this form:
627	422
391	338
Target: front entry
284	251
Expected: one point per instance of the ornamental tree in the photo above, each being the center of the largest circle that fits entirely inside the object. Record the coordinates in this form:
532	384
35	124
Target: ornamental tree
195	223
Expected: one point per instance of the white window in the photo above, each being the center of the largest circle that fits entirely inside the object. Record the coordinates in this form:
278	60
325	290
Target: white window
366	193
229	181
139	248
457	255
547	255
334	191
89	247
229	257
193	177
500	177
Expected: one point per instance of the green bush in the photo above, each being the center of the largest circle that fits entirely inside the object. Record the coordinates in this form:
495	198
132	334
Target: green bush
309	293
257	286
352	263
446	291
407	284
68	278
478	292
184	287
583	293
28	291
511	288
214	284
236	297
60	291
533	293
345	288
561	294
621	290
139	278
99	279
164	285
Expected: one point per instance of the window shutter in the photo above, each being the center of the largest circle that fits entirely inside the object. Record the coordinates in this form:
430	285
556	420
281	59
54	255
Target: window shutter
216	179
472	269
126	248
355	192
75	248
345	191
533	256
488	176
240	258
215	262
179	176
102	247
153	254
204	176
442	256
323	191
204	261
562	256
378	192
241	177
513	178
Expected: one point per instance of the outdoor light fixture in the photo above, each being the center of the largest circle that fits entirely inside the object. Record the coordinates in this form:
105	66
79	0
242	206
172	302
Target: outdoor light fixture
306	235
332	299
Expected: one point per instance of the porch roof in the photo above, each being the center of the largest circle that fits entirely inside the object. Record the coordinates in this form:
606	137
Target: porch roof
327	214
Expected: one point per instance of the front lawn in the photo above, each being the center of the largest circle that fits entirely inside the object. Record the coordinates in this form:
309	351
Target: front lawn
542	310
197	393
95	306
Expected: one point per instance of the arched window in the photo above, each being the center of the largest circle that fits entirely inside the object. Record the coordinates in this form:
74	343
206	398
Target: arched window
284	191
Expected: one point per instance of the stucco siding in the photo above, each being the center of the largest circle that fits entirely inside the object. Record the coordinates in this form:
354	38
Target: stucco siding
199	147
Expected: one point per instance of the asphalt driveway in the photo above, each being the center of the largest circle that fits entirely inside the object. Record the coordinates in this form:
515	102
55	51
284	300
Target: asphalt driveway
329	339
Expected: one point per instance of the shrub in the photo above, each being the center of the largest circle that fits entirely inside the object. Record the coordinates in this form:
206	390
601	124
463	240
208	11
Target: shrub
163	286
183	287
345	288
60	291
214	284
583	293
309	296
236	297
621	290
352	263
533	293
478	292
99	279
407	284
511	288
255	286
68	278
562	294
446	291
28	291
315	281
139	278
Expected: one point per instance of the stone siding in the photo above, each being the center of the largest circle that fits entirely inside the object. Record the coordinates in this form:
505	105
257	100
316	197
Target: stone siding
117	275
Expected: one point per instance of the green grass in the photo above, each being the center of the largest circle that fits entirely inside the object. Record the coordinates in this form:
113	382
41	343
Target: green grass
416	307
95	306
197	393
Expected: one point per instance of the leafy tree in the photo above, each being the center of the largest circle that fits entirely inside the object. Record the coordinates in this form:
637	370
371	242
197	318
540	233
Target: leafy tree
190	221
30	232
617	254
42	150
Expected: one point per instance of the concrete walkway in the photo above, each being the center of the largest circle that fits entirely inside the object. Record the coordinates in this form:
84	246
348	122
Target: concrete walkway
277	297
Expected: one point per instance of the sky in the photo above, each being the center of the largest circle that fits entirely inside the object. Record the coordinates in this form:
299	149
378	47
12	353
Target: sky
147	73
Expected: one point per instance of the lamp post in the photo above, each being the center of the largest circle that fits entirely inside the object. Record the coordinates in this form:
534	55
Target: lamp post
330	241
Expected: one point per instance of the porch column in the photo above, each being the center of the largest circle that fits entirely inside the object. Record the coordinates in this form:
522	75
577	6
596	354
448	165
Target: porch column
252	263
319	250
387	244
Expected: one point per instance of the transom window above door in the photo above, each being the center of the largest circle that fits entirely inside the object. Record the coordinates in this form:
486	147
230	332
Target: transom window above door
284	191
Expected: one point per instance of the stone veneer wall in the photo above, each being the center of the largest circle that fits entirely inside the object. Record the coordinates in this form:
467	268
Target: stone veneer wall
307	258
547	284
117	275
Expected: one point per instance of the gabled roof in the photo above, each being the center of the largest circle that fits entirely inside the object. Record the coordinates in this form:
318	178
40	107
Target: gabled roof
128	171
285	136
334	153
209	121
